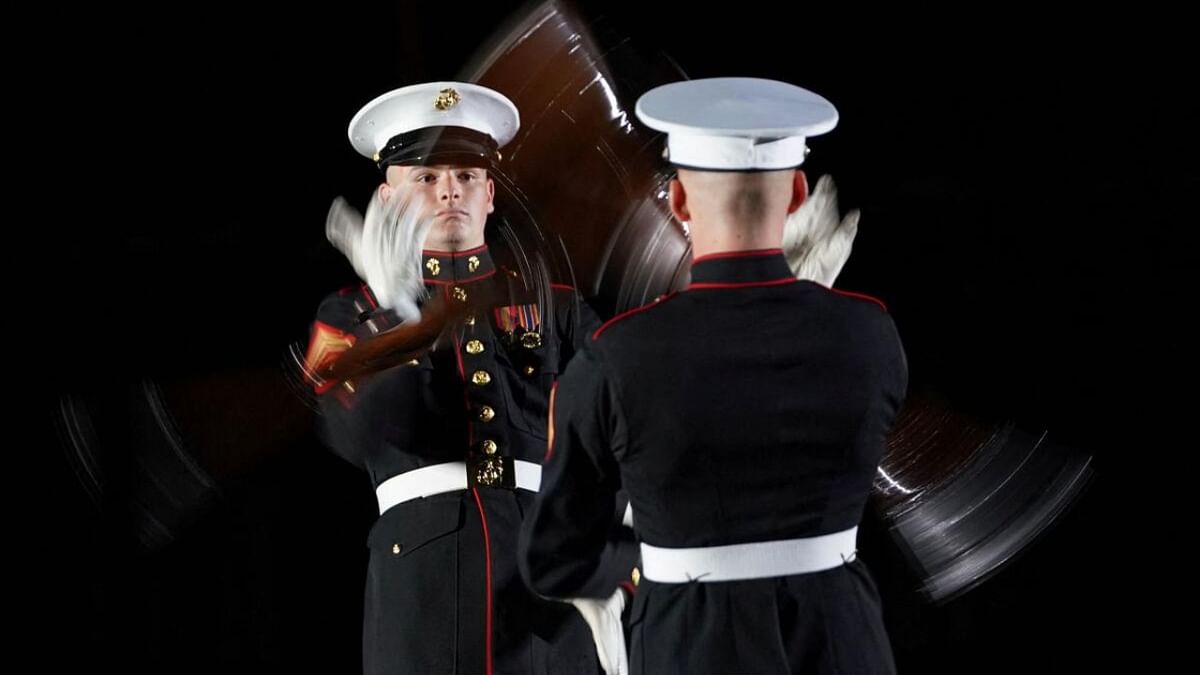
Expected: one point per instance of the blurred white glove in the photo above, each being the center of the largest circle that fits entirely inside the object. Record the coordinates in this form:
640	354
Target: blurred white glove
385	249
816	239
604	618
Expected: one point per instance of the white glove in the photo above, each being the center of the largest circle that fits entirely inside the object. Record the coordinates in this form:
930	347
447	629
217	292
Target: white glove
385	249
604	618
816	239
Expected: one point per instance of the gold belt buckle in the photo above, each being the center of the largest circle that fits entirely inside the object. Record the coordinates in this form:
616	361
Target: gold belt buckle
491	471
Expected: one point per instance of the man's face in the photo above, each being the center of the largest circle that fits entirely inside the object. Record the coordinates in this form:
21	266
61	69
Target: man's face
458	199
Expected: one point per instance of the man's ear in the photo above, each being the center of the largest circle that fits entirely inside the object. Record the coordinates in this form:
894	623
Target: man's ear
678	201
799	191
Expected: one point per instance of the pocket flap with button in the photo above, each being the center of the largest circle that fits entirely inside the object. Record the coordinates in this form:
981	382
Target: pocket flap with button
407	527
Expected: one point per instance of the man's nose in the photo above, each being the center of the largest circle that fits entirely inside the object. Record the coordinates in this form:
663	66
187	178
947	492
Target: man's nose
448	188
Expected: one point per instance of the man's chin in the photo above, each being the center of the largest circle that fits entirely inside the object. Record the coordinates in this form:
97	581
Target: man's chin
449	235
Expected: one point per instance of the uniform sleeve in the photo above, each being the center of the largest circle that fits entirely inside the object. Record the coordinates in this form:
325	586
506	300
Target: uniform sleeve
570	545
331	333
579	322
897	367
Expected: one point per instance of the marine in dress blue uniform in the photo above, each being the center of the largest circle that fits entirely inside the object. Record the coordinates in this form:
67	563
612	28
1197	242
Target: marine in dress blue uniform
744	415
453	441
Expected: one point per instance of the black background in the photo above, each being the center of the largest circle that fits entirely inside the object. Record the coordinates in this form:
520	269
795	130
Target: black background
1026	179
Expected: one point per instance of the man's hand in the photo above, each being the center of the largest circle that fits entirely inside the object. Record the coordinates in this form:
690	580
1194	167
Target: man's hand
384	248
816	239
604	618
